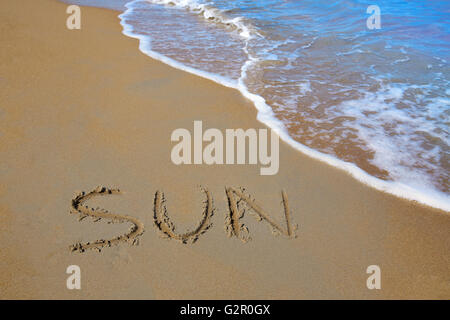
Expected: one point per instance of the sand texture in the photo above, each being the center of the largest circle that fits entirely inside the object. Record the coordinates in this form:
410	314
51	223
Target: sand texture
85	108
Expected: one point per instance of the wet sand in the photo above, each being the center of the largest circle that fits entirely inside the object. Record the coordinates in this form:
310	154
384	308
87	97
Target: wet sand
83	108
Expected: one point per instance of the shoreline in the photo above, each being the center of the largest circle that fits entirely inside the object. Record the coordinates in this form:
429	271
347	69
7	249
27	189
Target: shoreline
265	115
85	108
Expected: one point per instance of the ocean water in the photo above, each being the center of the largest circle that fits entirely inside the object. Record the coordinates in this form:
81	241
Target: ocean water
373	102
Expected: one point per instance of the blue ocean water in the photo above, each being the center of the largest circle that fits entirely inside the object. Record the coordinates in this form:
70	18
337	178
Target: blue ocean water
375	102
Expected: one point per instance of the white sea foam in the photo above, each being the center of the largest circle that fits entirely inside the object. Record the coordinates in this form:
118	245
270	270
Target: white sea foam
265	113
396	135
210	13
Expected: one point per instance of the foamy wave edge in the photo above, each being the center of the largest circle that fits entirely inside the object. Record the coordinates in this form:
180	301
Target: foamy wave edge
209	13
266	116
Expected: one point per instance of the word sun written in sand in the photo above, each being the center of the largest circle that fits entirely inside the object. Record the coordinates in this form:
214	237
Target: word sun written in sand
239	203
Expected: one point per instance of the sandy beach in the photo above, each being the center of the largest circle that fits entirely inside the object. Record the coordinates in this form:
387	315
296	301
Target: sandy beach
85	108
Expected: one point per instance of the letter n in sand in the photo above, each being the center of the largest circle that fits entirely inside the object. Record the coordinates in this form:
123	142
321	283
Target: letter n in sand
239	203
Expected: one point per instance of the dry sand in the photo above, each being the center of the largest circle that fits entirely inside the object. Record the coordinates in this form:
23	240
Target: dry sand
84	108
